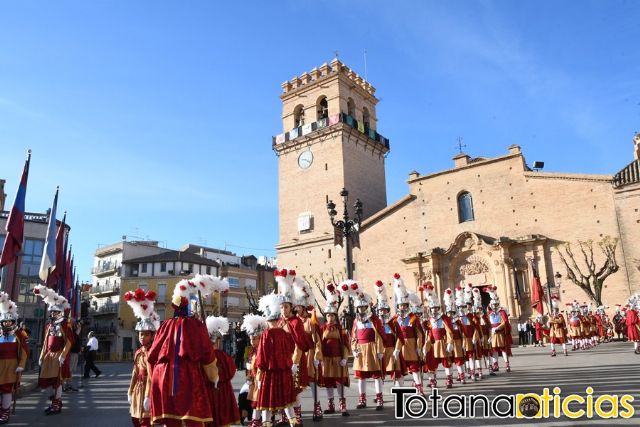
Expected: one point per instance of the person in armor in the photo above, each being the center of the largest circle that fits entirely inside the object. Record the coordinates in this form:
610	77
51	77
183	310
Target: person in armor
575	326
254	326
483	345
304	306
392	362
409	325
500	331
334	372
435	347
366	344
13	355
141	303
557	328
469	330
58	341
455	348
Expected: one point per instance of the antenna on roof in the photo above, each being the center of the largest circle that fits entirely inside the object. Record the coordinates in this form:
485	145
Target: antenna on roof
460	145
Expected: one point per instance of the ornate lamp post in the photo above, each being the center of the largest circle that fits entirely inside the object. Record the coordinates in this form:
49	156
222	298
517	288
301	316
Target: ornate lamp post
349	228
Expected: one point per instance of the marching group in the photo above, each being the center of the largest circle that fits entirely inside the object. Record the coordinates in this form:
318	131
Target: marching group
181	376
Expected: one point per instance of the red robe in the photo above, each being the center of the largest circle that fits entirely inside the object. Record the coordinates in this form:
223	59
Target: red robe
273	358
179	387
223	400
304	343
632	325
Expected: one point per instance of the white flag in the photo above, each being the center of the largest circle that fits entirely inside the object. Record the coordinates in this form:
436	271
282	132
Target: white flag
49	253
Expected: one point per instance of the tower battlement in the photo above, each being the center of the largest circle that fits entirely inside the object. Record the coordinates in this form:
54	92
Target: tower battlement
325	70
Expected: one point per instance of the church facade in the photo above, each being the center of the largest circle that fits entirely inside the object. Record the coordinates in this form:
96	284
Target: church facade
483	221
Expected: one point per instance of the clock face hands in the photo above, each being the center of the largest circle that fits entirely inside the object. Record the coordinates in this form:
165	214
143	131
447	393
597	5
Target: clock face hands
305	159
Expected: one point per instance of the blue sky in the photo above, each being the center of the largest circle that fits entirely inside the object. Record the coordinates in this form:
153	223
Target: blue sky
155	117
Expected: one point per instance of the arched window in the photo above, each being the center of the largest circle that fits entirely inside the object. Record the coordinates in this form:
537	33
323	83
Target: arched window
365	116
298	116
351	108
323	108
465	207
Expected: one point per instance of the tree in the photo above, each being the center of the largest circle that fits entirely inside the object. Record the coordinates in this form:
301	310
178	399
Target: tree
253	301
588	276
321	283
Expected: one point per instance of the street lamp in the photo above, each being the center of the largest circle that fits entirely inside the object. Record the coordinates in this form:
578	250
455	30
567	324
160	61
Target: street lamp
349	228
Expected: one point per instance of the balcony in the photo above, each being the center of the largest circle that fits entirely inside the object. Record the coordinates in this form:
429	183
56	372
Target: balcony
330	121
105	330
103	310
103	291
106	270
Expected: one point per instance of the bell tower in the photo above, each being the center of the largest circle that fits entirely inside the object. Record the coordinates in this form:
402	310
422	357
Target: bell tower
330	141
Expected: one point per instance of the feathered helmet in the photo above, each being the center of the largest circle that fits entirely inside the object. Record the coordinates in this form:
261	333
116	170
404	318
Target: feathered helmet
555	303
400	290
448	301
182	295
477	300
357	294
8	309
208	285
253	324
142	303
217	327
302	294
429	293
575	307
270	305
51	298
468	294
284	279
491	290
618	308
460	297
415	303
382	301
332	297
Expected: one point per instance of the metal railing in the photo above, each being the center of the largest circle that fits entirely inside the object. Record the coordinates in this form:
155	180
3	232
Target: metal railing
104	309
104	289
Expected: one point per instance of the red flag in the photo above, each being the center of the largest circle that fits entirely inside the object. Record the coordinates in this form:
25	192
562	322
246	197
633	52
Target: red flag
68	279
537	294
58	270
15	224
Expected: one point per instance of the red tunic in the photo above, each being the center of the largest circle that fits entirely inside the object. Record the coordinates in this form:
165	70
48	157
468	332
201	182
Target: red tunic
179	387
273	358
303	341
223	400
632	325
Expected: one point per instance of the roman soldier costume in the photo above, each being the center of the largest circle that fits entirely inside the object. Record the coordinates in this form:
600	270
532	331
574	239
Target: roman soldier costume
182	363
141	303
254	326
294	326
575	326
366	344
470	334
391	336
483	328
436	346
276	388
455	349
500	331
14	352
557	328
334	372
223	399
304	301
53	357
410	331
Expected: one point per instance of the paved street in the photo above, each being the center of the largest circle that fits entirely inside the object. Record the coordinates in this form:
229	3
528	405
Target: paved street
610	368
